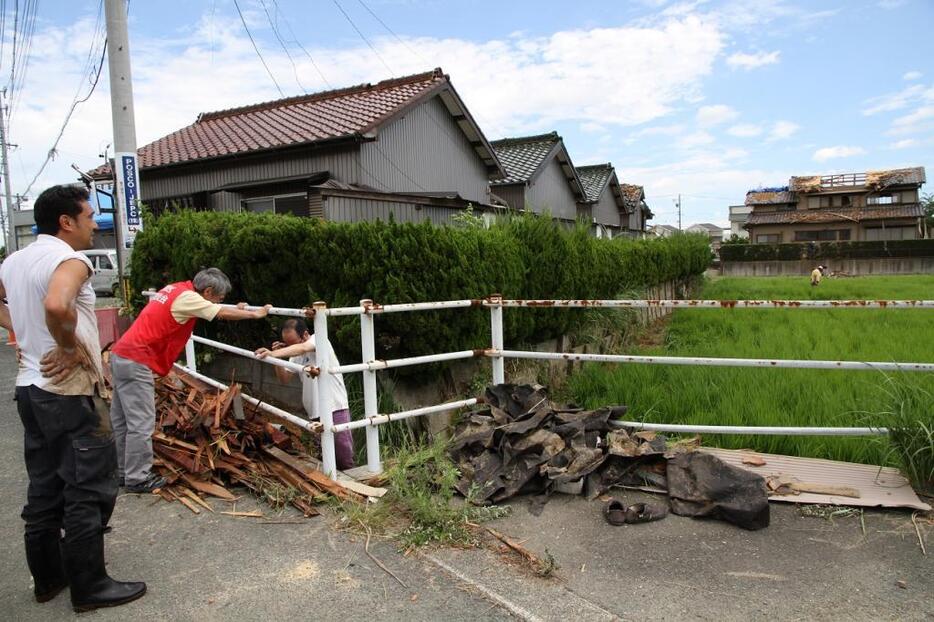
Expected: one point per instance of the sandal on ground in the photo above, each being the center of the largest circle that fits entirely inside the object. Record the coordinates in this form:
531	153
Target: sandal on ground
645	512
615	512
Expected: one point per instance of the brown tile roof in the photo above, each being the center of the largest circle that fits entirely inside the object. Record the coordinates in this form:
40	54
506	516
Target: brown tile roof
819	216
632	195
318	117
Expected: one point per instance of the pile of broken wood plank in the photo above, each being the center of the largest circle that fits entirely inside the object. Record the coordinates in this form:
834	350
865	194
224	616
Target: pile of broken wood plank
206	440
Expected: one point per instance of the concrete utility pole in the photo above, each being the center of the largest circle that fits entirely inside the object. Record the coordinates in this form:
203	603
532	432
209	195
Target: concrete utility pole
124	127
11	228
679	212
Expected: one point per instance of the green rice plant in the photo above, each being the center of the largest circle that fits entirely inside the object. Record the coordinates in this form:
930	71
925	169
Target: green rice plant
909	417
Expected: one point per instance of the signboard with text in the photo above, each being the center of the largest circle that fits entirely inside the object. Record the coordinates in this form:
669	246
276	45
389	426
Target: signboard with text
127	191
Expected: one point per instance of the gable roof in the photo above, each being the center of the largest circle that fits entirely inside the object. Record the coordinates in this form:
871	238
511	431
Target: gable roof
348	114
706	226
525	157
597	177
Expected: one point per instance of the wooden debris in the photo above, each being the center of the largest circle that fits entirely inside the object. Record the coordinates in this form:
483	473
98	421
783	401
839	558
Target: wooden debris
253	514
206	440
753	460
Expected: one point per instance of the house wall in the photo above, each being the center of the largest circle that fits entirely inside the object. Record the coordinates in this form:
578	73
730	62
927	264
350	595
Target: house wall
355	209
606	211
857	231
187	180
550	192
514	195
424	151
636	220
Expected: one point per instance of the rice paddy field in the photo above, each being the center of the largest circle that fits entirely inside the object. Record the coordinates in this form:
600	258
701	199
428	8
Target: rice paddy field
785	397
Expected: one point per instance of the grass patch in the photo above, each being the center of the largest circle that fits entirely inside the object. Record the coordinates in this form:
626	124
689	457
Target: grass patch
786	397
420	506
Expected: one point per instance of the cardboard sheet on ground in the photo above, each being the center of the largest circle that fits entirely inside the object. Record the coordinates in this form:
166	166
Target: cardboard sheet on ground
885	488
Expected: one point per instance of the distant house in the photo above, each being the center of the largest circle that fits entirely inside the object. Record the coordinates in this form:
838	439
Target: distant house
713	232
605	206
663	231
639	212
738	216
406	148
875	205
540	176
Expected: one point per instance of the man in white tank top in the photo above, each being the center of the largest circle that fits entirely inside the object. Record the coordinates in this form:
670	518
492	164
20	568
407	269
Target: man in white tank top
68	443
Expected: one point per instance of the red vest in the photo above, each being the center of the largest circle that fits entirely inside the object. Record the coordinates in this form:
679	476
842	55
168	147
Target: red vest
155	339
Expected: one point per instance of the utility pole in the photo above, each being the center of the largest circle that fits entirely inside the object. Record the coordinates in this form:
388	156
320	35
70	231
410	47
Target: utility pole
127	220
679	212
11	228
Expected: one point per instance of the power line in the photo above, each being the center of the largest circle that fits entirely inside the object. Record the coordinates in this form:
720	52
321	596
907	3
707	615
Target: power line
18	77
255	47
295	40
365	40
285	49
52	152
391	31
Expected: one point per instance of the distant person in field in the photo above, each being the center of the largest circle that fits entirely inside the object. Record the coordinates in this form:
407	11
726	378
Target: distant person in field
298	345
816	275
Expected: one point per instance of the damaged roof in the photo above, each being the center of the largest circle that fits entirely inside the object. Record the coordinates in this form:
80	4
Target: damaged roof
350	113
875	180
818	216
524	157
770	196
634	197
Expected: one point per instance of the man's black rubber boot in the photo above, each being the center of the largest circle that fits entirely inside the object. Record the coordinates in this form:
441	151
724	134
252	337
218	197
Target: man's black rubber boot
44	558
91	588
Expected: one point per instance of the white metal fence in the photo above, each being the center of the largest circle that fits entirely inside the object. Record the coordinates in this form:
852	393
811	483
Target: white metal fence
372	419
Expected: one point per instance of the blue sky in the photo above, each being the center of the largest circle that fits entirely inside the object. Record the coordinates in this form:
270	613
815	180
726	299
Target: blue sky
705	99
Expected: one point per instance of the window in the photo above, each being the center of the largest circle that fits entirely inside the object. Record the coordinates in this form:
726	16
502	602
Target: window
769	238
814	202
845	201
104	263
823	235
883	199
891	233
295	204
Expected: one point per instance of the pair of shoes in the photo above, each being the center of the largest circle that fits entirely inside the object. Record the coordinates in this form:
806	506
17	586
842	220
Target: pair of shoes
152	483
44	558
91	586
616	513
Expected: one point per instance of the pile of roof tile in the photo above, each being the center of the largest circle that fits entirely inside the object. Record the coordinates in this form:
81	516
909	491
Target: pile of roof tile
206	440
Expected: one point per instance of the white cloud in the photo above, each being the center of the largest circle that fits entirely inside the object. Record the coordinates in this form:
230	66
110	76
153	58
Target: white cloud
742	60
912	75
590	127
905	143
744	130
782	130
893	101
623	76
696	139
708	116
921	119
840	151
661	130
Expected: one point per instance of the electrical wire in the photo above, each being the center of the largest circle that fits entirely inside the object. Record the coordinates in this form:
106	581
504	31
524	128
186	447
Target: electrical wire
391	31
295	40
362	36
255	47
275	31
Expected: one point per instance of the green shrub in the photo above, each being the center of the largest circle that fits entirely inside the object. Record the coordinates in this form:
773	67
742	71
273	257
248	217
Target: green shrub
293	262
827	250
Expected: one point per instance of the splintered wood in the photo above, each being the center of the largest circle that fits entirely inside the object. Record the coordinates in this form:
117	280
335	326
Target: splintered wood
206	440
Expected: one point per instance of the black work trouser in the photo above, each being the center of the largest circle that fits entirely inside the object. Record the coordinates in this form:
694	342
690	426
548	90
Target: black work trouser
71	460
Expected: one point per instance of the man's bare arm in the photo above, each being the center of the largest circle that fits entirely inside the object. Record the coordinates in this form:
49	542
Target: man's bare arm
61	317
5	320
236	313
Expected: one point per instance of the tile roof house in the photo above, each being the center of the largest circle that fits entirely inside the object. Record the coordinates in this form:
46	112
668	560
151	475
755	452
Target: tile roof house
875	205
604	205
639	212
406	146
539	176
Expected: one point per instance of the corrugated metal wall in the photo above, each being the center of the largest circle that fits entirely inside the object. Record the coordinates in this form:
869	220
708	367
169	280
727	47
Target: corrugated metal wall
635	220
605	210
352	209
514	195
179	181
551	192
424	151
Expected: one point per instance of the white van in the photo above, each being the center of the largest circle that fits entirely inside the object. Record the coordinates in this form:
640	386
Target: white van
105	279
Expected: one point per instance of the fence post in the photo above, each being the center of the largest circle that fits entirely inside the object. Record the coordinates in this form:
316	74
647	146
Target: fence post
496	333
370	396
190	361
323	359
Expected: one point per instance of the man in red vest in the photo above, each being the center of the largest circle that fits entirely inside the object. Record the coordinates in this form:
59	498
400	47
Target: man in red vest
149	348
